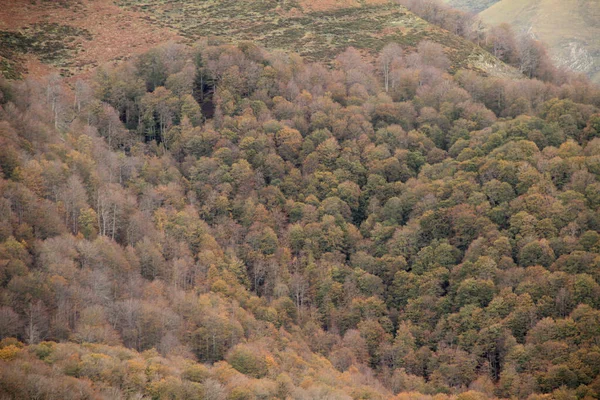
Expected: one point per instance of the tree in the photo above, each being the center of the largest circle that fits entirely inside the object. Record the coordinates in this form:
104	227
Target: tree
475	291
36	322
592	129
216	331
503	43
432	54
159	109
374	335
299	290
10	322
74	199
152	262
536	253
93	327
87	223
111	206
191	109
533	59
151	67
389	58
289	142
248	361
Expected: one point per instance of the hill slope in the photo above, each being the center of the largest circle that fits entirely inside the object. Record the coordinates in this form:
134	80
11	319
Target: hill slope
101	31
320	236
570	28
222	222
71	36
473	6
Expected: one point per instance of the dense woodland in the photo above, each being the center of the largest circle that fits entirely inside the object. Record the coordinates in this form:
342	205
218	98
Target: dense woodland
222	222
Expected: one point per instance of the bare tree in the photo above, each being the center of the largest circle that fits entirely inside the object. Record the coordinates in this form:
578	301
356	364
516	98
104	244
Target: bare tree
74	198
389	56
10	323
83	94
299	289
36	324
54	92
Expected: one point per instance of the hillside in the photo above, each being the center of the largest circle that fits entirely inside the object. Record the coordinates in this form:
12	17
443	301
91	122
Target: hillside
221	222
75	36
190	210
472	6
570	28
71	36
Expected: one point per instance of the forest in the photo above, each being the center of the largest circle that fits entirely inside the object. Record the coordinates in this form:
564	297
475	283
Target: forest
224	222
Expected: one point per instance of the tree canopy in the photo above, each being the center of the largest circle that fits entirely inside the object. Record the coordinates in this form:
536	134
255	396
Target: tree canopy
252	225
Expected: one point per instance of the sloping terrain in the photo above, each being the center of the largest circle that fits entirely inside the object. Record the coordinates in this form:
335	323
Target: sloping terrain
107	31
343	233
570	28
72	36
313	29
473	6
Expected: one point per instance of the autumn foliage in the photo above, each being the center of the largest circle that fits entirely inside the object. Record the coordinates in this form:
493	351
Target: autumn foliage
221	222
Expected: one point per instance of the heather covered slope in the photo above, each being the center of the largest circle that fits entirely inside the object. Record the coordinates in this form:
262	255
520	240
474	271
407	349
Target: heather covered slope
569	28
223	222
73	37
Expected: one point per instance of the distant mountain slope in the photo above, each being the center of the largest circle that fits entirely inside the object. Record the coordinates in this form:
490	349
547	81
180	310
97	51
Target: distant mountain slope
570	28
473	6
317	30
